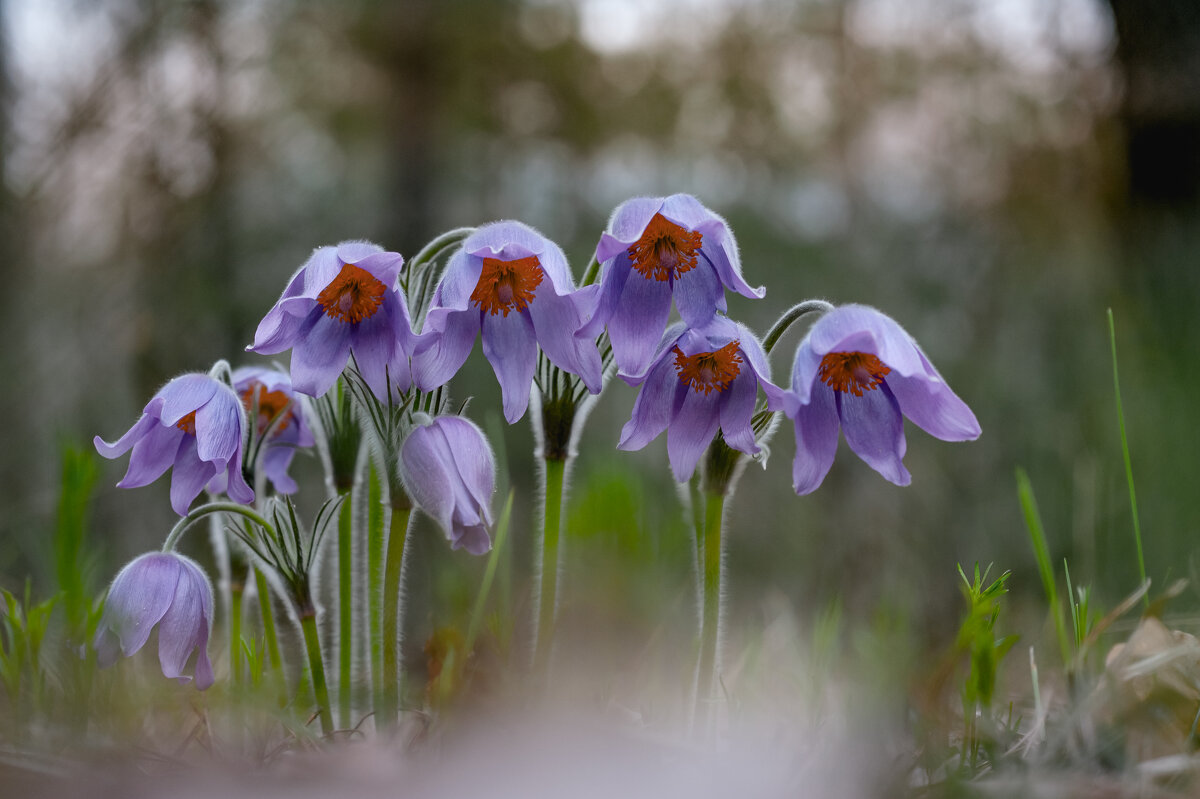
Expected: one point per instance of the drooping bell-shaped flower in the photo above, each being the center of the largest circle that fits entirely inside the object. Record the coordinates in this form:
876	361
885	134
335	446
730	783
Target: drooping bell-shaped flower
656	249
266	393
860	372
194	425
703	379
450	473
511	286
343	301
164	589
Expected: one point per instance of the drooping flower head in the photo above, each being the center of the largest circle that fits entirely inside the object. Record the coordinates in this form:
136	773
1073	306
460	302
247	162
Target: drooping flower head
858	371
265	394
703	379
449	471
164	589
511	286
657	248
343	301
195	424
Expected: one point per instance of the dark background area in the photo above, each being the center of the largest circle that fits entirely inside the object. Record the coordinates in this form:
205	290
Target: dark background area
992	174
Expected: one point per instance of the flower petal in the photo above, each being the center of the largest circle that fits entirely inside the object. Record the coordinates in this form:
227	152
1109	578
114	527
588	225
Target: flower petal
134	434
427	476
473	458
698	294
654	406
185	394
185	626
373	342
189	476
556	321
475	539
860	328
139	597
220	425
934	407
874	429
511	349
691	432
736	408
638	321
817	427
446	342
320	356
152	456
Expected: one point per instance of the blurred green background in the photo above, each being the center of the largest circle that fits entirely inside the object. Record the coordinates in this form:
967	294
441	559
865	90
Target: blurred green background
992	173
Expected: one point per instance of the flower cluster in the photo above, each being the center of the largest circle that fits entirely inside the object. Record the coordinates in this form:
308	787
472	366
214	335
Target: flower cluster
347	316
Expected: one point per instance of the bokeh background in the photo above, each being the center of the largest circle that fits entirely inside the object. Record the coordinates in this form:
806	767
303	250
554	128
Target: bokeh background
992	173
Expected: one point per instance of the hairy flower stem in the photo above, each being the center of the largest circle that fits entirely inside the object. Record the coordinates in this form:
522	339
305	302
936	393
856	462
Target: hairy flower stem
388	709
710	623
554	474
275	660
212	507
345	546
375	521
316	667
237	591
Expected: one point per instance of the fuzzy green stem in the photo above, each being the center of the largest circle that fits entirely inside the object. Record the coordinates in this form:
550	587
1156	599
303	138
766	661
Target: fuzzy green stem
345	544
710	623
375	521
316	668
237	591
552	495
387	711
212	507
268	623
789	318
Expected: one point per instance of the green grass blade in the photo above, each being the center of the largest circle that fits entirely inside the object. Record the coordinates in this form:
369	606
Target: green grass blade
1137	529
1037	535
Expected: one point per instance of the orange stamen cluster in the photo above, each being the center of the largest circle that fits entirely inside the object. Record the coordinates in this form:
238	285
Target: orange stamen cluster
354	295
665	249
706	371
188	424
507	285
270	404
854	372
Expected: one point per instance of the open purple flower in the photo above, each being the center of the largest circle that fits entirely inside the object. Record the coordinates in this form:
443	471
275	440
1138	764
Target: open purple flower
858	371
657	248
703	379
269	393
343	301
450	473
196	424
164	589
511	285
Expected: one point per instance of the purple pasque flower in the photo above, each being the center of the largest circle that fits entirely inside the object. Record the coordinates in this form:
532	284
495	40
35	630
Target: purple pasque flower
169	590
858	371
657	248
450	473
511	286
195	424
703	379
269	392
343	301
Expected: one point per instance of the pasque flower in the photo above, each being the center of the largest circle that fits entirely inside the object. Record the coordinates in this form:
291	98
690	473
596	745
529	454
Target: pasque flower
511	286
196	425
265	394
343	301
858	371
702	379
657	248
450	473
164	589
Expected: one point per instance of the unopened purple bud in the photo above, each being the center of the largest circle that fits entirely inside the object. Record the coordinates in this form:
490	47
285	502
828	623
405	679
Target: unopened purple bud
169	590
450	473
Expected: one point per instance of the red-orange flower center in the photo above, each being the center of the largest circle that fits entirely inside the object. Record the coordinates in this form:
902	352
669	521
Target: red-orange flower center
706	371
270	404
354	295
665	249
855	372
507	285
188	424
